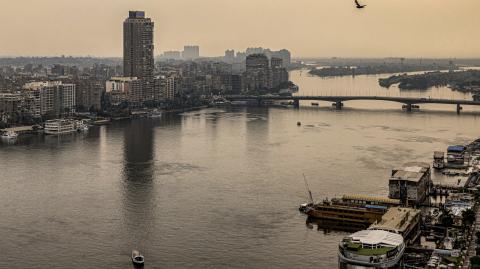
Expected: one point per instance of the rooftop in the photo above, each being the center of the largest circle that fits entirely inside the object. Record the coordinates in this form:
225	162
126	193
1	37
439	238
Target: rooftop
456	149
136	14
123	79
370	198
396	219
376	237
410	172
42	84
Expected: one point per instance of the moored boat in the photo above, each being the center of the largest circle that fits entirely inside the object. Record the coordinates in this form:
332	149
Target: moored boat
9	135
81	126
137	258
156	114
339	210
372	248
363	209
59	126
438	160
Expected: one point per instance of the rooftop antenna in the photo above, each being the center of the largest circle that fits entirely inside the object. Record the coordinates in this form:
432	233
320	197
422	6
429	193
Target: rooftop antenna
308	189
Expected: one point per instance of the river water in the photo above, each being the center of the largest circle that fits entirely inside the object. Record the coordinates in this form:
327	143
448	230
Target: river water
215	188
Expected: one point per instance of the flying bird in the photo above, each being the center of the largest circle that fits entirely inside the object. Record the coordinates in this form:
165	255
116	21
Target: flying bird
359	5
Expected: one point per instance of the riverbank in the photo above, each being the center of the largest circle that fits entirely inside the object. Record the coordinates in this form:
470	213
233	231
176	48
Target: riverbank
442	233
33	129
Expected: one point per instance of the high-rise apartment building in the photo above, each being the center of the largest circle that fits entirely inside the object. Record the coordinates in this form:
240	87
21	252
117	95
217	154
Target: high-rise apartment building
138	60
279	73
191	52
172	85
88	93
51	98
172	55
284	55
258	73
138	46
229	56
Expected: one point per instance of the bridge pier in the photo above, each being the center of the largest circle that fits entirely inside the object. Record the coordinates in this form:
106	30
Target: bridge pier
296	103
459	108
338	105
409	108
259	102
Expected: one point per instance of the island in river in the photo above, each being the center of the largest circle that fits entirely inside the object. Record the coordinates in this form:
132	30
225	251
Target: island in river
376	68
465	81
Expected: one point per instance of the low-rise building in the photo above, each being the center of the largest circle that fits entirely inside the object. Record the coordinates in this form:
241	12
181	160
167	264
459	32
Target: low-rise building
403	221
410	183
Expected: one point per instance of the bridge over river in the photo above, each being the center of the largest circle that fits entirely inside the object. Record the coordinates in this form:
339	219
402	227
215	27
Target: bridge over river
338	100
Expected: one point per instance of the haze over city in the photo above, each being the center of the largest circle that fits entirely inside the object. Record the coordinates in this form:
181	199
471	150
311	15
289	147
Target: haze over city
240	134
309	28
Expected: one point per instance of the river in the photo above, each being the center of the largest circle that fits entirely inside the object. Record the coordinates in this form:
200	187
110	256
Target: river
215	188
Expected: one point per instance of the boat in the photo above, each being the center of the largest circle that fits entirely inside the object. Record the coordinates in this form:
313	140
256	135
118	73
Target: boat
9	135
340	210
360	209
303	207
306	206
59	126
372	249
156	114
81	126
412	107
363	209
137	258
438	160
102	121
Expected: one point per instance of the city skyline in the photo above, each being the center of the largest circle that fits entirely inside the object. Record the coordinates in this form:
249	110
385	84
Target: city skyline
328	28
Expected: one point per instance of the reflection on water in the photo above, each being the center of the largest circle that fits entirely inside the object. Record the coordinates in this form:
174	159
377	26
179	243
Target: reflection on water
328	226
138	181
138	151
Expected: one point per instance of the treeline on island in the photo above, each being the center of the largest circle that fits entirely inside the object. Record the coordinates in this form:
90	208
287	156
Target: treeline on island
466	81
375	69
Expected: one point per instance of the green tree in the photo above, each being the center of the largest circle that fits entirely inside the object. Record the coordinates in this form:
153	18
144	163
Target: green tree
468	217
475	260
446	218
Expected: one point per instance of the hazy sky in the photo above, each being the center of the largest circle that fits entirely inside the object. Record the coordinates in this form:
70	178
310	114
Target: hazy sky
408	28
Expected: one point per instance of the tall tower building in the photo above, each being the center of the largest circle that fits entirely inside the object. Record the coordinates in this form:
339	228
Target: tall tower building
258	72
138	46
138	54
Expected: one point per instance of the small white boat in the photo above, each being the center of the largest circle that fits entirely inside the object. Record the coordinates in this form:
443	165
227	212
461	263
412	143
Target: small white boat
81	126
156	114
137	258
9	135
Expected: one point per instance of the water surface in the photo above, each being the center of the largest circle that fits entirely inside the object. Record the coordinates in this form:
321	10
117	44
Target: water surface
216	188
